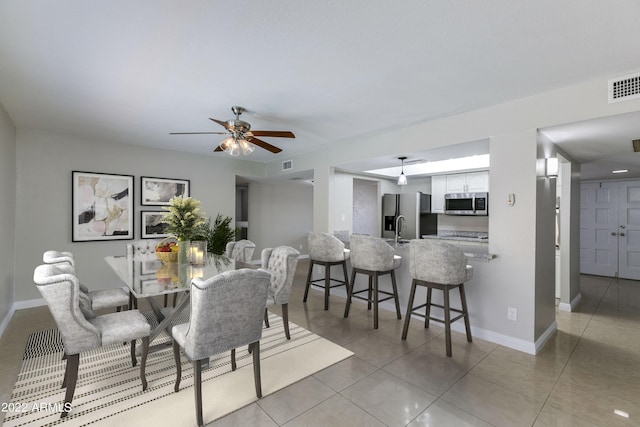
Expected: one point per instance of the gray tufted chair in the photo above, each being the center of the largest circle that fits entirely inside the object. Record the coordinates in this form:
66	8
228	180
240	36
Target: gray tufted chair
242	250
281	262
374	257
438	265
81	330
326	250
226	312
100	298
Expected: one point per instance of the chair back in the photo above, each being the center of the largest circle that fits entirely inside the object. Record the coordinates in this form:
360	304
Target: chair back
61	291
371	253
325	247
141	247
226	312
281	262
242	250
437	262
54	257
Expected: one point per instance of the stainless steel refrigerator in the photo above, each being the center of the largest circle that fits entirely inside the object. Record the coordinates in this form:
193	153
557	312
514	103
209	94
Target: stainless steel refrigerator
416	210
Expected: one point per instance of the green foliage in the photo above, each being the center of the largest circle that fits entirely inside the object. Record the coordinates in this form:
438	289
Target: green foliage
183	217
217	234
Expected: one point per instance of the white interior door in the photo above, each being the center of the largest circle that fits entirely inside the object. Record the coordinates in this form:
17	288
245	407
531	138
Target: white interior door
629	230
599	228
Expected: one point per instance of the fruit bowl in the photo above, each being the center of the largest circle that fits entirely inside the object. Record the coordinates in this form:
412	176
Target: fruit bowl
167	250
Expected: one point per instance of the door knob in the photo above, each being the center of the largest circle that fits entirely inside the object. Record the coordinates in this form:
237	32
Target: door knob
623	227
622	234
614	233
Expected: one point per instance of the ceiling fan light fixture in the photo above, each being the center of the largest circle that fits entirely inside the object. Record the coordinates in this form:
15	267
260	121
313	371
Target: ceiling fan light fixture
246	146
402	179
234	149
227	144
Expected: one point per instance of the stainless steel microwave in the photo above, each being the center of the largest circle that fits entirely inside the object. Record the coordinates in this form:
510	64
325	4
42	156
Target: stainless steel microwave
466	204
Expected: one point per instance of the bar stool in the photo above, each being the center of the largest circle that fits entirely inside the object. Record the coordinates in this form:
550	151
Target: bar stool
438	265
326	250
374	257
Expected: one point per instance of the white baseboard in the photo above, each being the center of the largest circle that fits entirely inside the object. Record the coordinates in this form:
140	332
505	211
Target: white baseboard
19	305
7	319
573	305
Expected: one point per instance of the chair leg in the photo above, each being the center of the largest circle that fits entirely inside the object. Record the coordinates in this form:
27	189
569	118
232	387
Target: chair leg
346	277
395	293
463	301
350	292
175	299
327	285
375	299
447	321
71	378
369	293
143	362
197	388
407	317
256	368
176	357
285	320
233	358
427	309
134	360
306	289
266	318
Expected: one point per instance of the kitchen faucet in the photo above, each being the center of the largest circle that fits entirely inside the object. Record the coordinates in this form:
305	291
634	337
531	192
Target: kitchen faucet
397	226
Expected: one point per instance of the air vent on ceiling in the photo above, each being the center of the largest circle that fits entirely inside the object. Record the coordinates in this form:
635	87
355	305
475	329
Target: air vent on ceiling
624	88
286	165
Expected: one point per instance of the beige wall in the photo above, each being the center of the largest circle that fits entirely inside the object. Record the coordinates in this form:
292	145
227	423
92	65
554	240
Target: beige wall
7	214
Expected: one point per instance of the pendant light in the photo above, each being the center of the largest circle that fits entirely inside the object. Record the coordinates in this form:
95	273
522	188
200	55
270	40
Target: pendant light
402	179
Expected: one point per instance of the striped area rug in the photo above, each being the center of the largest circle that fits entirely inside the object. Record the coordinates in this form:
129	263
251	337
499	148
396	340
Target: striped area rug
109	391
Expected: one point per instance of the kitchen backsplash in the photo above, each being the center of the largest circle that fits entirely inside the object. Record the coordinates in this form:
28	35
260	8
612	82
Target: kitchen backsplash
463	223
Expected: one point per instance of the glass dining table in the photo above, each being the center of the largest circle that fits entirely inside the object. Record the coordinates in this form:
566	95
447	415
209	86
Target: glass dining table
148	277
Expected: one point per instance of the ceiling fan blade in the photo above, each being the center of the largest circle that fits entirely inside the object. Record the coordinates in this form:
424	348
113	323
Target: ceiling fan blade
218	149
197	133
274	133
220	122
264	145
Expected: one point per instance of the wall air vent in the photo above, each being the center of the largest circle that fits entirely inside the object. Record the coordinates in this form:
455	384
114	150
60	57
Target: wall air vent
624	88
287	165
636	145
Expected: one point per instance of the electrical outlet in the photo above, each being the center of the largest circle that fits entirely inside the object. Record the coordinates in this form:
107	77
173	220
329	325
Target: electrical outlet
512	314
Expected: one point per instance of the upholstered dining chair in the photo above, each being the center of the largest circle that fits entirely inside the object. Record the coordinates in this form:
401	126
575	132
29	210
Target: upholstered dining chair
82	330
281	262
325	250
100	298
242	250
226	313
438	265
373	257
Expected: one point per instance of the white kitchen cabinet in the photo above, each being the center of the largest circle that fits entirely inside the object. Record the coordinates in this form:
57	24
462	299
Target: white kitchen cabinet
472	182
438	189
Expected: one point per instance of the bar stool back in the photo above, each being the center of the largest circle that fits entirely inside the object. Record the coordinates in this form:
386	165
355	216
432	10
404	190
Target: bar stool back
374	257
438	265
326	250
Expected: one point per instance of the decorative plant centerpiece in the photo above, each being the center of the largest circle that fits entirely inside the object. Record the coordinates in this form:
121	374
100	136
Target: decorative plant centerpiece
217	234
184	220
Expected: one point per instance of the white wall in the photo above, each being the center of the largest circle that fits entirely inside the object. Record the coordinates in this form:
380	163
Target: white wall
44	165
280	214
7	213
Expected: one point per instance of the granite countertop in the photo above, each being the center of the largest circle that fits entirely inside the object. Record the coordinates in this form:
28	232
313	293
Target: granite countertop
475	252
468	236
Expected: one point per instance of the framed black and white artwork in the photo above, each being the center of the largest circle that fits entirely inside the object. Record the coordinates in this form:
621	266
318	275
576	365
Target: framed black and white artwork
158	191
102	206
152	226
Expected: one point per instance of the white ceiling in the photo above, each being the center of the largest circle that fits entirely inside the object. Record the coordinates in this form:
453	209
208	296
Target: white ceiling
132	71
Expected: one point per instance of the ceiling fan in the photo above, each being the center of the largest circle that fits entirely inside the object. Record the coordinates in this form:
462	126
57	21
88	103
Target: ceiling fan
240	136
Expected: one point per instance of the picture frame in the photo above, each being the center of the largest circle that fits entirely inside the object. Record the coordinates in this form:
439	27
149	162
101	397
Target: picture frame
150	225
158	191
102	206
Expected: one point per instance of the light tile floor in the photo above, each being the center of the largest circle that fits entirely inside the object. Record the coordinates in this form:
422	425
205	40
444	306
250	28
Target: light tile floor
589	369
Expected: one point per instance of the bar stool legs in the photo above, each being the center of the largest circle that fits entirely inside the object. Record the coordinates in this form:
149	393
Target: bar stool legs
373	293
446	307
327	279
